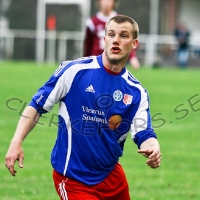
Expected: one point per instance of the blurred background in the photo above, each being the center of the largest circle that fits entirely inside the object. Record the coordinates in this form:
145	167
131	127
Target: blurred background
52	31
35	36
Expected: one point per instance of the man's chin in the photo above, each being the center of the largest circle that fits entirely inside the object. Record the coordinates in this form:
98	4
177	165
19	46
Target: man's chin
115	59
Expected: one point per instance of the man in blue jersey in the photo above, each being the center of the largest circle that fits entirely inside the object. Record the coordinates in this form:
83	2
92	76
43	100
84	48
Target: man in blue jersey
100	102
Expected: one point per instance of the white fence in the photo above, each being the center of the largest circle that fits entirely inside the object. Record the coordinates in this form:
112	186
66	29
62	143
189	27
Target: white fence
57	49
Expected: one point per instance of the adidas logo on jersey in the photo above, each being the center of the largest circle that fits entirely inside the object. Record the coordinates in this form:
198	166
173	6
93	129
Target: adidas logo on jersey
90	89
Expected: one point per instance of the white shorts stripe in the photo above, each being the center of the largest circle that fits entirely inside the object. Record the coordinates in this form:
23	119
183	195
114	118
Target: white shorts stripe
62	190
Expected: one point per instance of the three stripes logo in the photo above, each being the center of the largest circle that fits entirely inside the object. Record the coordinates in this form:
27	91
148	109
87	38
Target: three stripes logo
90	89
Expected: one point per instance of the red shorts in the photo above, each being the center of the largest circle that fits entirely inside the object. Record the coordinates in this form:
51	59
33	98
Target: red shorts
113	187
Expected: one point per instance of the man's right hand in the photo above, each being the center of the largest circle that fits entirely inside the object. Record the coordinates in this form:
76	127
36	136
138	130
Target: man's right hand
14	153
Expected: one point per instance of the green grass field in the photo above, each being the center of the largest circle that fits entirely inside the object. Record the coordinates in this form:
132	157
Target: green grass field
175	108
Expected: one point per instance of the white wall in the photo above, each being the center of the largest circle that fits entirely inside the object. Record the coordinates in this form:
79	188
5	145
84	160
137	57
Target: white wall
190	13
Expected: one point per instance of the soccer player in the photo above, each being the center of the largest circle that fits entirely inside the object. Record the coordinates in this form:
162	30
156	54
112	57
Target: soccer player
100	102
182	35
95	31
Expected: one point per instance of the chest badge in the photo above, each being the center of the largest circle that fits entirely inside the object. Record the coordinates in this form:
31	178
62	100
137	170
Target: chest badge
127	99
117	95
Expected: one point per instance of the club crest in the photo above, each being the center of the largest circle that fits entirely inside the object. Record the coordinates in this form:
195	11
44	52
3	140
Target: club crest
117	95
127	99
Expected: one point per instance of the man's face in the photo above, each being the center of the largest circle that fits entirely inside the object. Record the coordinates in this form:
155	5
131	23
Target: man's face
106	6
119	41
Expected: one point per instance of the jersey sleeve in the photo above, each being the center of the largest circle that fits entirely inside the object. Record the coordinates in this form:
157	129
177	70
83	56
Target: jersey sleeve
141	128
51	92
89	37
132	54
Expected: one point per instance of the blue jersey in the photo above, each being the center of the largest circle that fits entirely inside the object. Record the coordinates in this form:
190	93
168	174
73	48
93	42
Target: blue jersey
87	147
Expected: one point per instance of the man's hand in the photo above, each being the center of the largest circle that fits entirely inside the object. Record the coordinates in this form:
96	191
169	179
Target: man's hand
150	149
27	122
154	157
15	153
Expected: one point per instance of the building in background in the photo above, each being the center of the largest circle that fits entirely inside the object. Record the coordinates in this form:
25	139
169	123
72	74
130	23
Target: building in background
22	26
174	12
4	25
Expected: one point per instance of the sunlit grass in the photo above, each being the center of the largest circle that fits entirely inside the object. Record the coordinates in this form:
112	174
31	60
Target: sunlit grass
174	96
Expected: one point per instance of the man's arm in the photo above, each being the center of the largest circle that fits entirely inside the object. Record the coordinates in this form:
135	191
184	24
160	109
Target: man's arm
150	148
27	122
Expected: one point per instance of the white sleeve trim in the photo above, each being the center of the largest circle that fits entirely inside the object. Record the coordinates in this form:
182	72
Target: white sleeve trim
90	25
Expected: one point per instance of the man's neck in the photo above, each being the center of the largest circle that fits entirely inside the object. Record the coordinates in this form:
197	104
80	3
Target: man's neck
116	68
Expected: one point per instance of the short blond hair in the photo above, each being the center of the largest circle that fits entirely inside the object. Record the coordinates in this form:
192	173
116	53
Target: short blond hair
123	18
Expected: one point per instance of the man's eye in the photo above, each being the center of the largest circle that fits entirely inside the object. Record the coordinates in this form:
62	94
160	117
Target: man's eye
111	34
124	36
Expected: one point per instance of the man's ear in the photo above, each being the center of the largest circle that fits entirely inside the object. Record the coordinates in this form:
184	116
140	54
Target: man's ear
135	43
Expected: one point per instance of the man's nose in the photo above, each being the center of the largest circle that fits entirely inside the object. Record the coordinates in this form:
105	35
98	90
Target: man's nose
116	38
